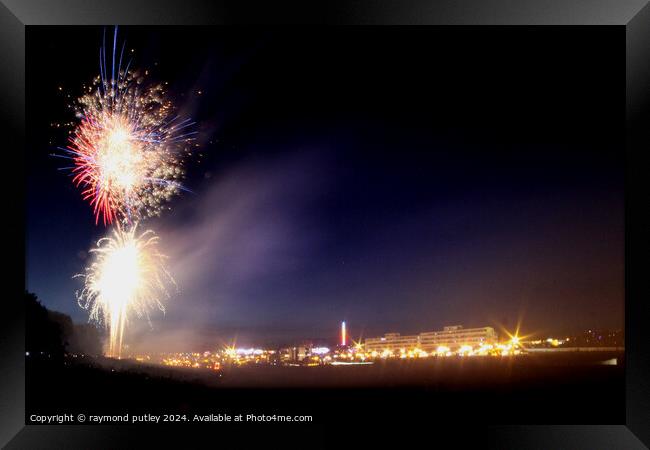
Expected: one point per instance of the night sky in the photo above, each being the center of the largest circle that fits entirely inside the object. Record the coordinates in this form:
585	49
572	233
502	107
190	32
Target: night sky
402	179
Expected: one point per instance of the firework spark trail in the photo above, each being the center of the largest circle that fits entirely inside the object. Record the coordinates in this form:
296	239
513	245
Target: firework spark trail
128	147
127	150
127	276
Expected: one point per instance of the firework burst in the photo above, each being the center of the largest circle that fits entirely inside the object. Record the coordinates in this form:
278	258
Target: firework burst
128	146
127	276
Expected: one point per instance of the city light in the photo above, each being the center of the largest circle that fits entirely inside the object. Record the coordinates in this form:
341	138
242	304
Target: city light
478	344
320	350
465	350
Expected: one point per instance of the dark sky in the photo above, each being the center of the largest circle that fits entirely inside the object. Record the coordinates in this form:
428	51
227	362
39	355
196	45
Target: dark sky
401	179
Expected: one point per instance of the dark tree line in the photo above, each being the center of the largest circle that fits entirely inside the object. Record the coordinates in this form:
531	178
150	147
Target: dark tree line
52	334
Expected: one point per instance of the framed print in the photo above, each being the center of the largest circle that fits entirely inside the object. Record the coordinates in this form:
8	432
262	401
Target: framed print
386	220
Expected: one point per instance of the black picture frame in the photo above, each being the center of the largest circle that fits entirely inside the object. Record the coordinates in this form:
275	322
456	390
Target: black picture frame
632	15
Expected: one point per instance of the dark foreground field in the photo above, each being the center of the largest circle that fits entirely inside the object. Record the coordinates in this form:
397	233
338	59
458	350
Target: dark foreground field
554	389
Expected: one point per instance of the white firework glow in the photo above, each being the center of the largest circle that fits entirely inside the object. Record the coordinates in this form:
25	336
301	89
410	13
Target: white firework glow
127	276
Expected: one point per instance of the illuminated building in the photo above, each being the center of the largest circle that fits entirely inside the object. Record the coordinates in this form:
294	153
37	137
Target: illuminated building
295	354
343	334
457	336
453	337
391	341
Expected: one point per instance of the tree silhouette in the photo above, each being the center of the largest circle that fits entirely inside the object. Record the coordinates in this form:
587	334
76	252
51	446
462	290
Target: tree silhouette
51	334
